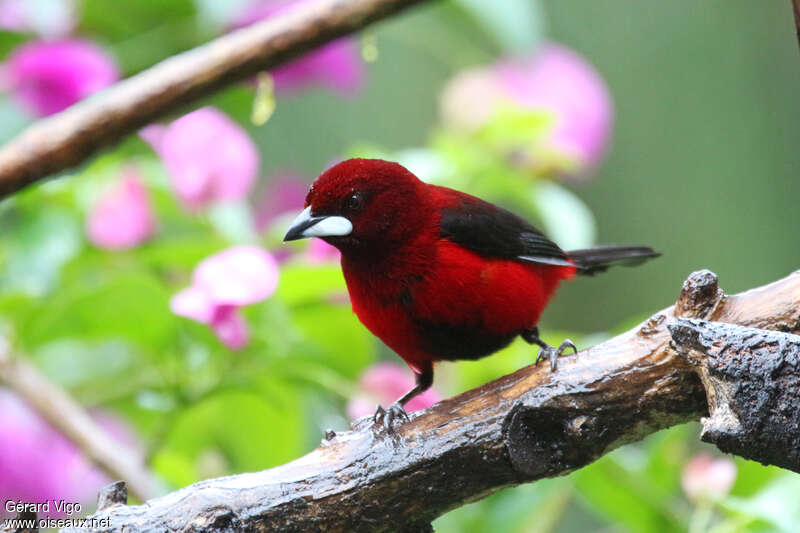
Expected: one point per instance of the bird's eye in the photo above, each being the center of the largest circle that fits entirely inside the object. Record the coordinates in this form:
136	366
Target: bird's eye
354	203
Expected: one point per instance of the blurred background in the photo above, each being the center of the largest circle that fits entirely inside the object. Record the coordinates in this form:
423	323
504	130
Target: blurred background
152	284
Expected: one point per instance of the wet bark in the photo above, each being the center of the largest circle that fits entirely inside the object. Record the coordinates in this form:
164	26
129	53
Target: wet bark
526	426
752	381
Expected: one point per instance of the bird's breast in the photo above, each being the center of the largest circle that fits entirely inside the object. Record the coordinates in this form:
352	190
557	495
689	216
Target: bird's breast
454	305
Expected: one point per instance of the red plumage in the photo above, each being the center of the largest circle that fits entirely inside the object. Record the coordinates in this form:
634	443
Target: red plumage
435	273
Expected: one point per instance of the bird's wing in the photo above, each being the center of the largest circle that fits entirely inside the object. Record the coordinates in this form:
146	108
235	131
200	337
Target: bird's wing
492	231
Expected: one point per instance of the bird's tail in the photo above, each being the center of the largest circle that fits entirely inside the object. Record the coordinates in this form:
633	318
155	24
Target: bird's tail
593	260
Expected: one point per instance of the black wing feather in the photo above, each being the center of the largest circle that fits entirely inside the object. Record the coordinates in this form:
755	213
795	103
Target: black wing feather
492	231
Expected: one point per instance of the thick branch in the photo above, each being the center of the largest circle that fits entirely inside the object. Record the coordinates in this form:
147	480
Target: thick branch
68	417
522	427
68	138
752	380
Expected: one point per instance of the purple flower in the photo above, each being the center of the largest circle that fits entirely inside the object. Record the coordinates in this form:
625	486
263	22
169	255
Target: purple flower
221	284
38	464
707	478
47	18
554	80
49	76
383	383
209	157
337	65
122	217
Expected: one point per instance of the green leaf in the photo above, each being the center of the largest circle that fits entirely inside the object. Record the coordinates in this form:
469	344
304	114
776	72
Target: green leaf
132	306
516	25
305	284
9	40
777	504
220	13
567	220
234	221
325	330
74	362
15	118
537	507
234	431
751	477
626	498
175	253
513	126
129	19
37	242
335	337
142	33
666	453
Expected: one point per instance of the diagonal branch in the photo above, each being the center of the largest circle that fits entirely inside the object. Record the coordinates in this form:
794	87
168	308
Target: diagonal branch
56	406
522	427
796	8
63	141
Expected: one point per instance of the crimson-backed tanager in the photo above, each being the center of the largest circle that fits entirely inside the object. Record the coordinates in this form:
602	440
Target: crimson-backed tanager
437	274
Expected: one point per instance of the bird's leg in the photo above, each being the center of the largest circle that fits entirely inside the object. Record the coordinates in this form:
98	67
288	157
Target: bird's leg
396	411
531	336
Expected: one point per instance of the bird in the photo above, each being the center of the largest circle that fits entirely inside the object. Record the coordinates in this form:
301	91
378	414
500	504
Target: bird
438	274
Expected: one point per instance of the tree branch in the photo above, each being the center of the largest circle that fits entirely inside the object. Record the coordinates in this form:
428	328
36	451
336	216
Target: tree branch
752	380
68	417
63	141
522	427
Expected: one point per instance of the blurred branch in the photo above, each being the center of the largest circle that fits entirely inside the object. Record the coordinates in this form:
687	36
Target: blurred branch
525	426
796	7
68	417
63	141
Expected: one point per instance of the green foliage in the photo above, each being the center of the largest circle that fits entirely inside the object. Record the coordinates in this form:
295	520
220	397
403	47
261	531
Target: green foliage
38	244
10	40
144	32
237	430
515	25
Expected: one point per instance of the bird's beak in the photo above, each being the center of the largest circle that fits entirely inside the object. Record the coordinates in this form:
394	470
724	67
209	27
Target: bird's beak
306	225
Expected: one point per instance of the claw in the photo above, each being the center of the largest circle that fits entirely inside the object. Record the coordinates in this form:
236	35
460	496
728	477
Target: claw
568	344
379	415
552	354
395	412
389	416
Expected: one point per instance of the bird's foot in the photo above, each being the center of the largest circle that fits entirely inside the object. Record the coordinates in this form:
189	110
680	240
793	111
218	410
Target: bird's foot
552	354
389	416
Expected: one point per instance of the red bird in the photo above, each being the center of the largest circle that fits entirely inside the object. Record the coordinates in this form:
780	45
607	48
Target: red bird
436	274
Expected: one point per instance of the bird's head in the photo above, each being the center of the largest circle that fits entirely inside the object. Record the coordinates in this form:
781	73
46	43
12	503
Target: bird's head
363	205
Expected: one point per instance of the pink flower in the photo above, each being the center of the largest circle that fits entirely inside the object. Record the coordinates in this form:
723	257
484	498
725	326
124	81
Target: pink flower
383	383
336	65
208	156
285	193
38	464
559	80
122	217
554	80
48	18
707	478
221	284
49	76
